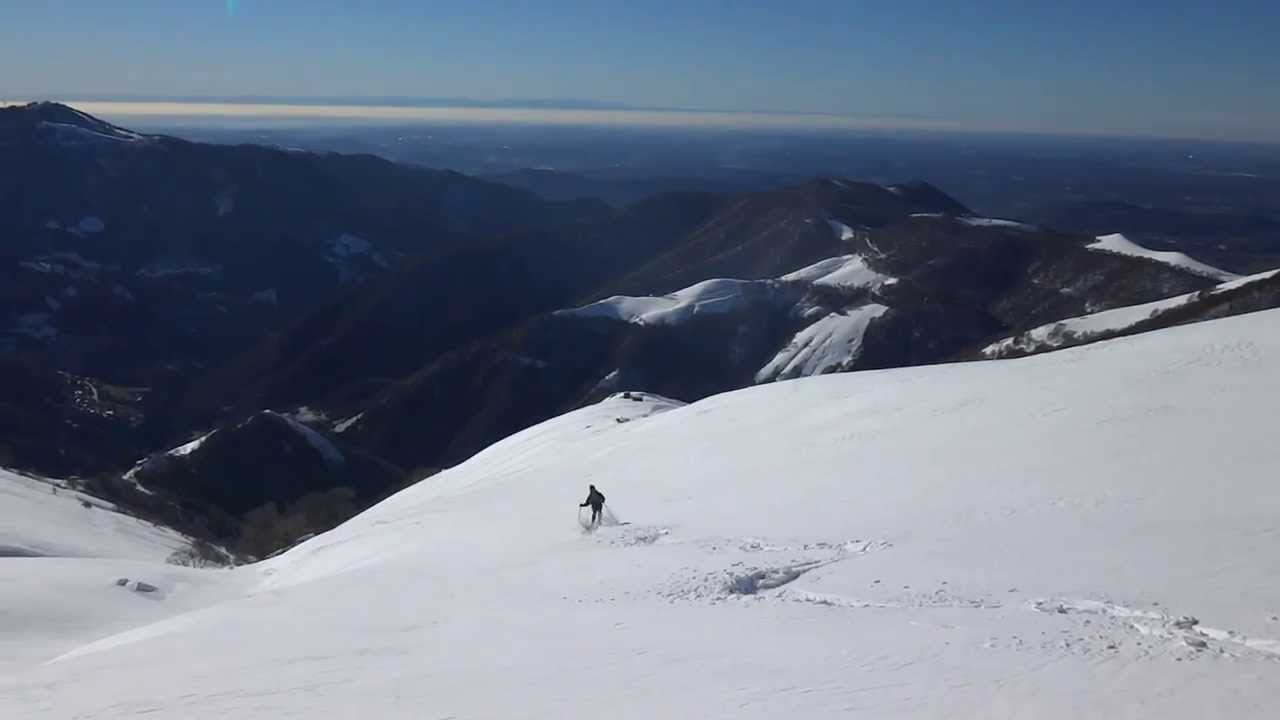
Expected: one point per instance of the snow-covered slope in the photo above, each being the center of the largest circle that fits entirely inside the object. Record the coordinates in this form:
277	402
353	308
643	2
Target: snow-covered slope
826	346
1121	245
60	562
1086	328
1089	533
44	518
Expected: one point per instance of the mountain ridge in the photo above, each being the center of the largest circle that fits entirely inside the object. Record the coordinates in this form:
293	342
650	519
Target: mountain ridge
426	315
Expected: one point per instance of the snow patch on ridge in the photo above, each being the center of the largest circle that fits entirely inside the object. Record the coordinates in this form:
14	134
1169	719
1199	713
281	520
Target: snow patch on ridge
842	231
180	451
842	271
1120	245
188	448
92	225
344	425
333	457
346	248
1084	328
710	297
225	203
996	223
723	296
170	267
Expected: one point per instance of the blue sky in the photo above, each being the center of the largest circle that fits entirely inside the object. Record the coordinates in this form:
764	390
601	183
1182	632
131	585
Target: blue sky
1175	67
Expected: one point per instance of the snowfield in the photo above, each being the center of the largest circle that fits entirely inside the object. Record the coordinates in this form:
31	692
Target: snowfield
1121	245
1087	533
45	518
59	562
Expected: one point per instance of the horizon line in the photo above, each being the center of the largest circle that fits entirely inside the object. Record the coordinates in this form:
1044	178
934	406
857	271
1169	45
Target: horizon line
421	101
552	112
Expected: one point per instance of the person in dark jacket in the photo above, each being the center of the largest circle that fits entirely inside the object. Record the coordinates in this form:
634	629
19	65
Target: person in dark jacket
595	499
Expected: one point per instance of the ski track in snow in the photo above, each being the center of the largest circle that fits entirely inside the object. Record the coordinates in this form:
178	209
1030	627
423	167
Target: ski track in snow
1156	630
1095	626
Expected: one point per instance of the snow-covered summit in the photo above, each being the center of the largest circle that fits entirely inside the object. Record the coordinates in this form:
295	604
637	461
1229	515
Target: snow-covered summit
840	271
723	295
711	297
826	328
1083	533
66	124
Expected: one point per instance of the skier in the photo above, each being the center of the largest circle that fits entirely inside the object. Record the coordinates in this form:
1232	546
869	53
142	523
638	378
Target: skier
595	499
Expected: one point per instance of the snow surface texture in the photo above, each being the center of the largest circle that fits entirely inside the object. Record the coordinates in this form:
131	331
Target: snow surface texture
44	518
1085	328
60	565
828	345
1088	533
1121	245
